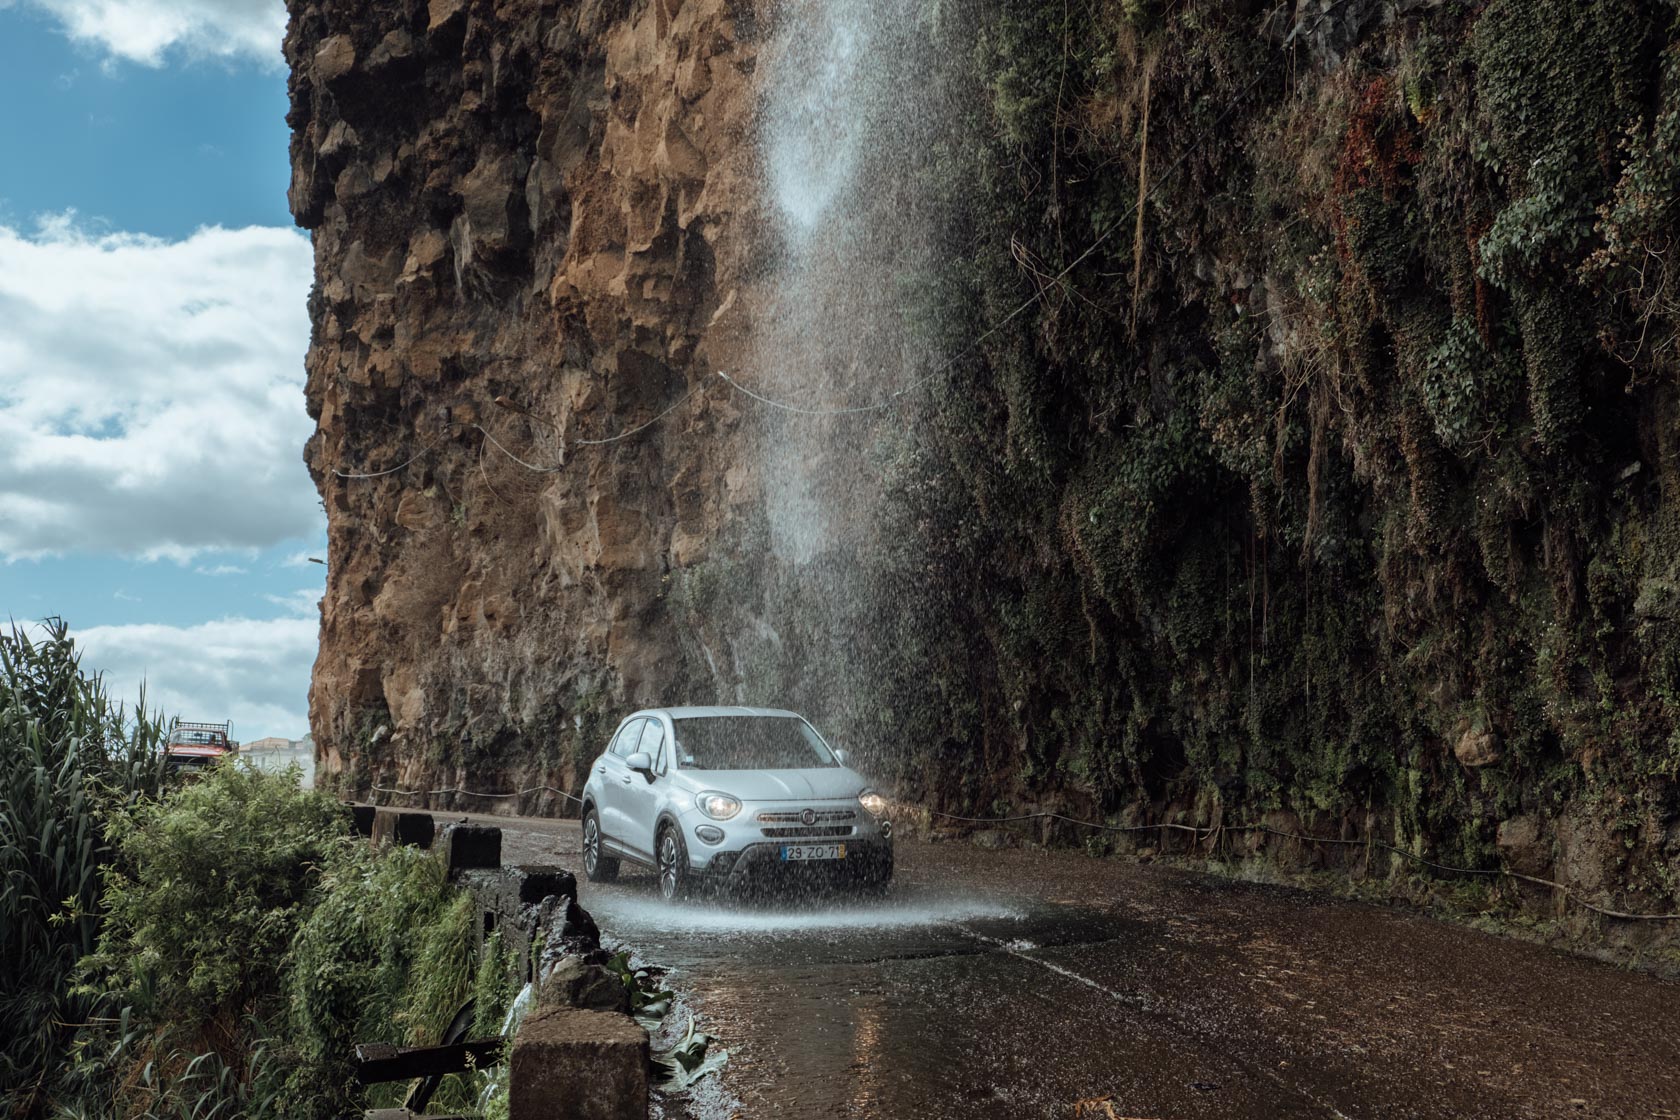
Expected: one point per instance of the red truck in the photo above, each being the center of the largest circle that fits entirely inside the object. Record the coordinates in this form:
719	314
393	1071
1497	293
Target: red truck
193	746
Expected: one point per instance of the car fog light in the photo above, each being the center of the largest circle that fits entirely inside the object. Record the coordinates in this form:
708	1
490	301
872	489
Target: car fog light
709	834
718	806
874	803
886	830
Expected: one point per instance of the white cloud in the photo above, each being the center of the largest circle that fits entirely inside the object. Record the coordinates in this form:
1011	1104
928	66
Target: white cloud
220	570
151	396
305	601
147	31
252	671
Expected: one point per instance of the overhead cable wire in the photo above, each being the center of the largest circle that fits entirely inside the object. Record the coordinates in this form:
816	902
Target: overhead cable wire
785	407
410	461
424	451
643	426
528	466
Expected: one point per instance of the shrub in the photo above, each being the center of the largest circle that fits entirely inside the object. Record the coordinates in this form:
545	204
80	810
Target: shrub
250	943
207	891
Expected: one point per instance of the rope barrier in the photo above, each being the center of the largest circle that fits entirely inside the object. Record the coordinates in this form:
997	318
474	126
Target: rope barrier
1568	892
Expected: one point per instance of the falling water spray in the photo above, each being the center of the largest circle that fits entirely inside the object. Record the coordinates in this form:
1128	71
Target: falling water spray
853	111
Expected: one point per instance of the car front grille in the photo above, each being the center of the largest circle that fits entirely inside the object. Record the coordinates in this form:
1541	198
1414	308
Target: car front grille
797	816
817	830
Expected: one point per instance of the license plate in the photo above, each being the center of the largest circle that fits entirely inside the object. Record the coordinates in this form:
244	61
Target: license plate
813	851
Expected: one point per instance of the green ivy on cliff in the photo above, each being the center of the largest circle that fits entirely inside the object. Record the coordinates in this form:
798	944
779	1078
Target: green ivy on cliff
1377	462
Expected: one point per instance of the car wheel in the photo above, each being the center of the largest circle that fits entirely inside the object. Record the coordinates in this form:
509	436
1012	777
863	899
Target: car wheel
597	865
673	865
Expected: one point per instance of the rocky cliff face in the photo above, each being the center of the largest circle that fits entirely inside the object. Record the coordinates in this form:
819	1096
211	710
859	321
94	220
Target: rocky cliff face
1333	485
528	229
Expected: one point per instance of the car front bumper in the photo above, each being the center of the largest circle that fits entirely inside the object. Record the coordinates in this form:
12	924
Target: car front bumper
751	844
866	858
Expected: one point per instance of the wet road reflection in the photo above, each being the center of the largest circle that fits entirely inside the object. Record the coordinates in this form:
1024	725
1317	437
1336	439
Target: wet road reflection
1017	984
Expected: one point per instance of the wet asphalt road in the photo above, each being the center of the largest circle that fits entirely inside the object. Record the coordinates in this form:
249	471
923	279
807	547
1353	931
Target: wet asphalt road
1020	983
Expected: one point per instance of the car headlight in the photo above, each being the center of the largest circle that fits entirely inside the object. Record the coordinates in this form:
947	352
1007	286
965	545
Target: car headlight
718	806
873	803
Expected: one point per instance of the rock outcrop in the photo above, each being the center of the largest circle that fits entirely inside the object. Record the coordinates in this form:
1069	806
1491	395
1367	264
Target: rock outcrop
527	220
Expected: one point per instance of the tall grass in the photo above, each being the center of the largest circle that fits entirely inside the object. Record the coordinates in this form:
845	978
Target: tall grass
68	755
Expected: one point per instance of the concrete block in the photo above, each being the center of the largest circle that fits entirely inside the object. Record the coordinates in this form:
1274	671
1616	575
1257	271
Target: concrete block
395	827
536	882
469	846
579	1065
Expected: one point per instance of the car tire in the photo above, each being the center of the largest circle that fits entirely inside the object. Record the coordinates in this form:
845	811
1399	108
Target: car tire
597	865
672	854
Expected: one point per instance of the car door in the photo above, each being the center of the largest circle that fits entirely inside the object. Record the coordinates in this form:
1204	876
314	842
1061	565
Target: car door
615	780
642	797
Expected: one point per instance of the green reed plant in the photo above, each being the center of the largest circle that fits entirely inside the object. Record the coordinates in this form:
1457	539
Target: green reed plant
69	755
389	955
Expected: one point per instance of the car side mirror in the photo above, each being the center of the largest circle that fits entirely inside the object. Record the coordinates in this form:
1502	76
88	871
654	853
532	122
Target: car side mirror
842	756
641	762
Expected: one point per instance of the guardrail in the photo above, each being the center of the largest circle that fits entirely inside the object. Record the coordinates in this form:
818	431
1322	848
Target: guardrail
578	1055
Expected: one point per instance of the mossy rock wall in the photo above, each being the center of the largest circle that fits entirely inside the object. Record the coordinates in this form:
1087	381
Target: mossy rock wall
1333	482
1362	504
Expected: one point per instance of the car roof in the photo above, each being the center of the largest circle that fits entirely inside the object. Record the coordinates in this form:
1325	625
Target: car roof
715	710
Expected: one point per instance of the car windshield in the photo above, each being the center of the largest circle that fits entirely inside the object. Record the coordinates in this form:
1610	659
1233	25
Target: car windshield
749	743
195	738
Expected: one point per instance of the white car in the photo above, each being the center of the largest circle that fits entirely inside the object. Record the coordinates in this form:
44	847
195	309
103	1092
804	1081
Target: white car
721	795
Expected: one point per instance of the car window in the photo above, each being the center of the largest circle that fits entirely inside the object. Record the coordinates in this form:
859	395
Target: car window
624	742
653	742
749	743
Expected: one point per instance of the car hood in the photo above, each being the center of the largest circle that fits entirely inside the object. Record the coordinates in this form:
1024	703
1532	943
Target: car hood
827	783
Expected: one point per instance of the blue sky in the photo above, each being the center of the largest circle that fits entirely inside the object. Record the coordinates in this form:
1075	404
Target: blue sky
152	331
159	150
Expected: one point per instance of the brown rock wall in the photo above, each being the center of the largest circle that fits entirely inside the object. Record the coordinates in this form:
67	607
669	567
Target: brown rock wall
526	219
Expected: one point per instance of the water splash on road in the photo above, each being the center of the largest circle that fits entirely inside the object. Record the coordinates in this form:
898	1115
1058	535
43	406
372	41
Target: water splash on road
631	915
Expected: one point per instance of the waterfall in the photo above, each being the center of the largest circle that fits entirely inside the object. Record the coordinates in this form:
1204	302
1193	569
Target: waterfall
851	111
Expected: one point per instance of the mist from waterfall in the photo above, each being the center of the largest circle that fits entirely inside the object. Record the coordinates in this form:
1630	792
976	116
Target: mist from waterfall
851	111
817	111
834	121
